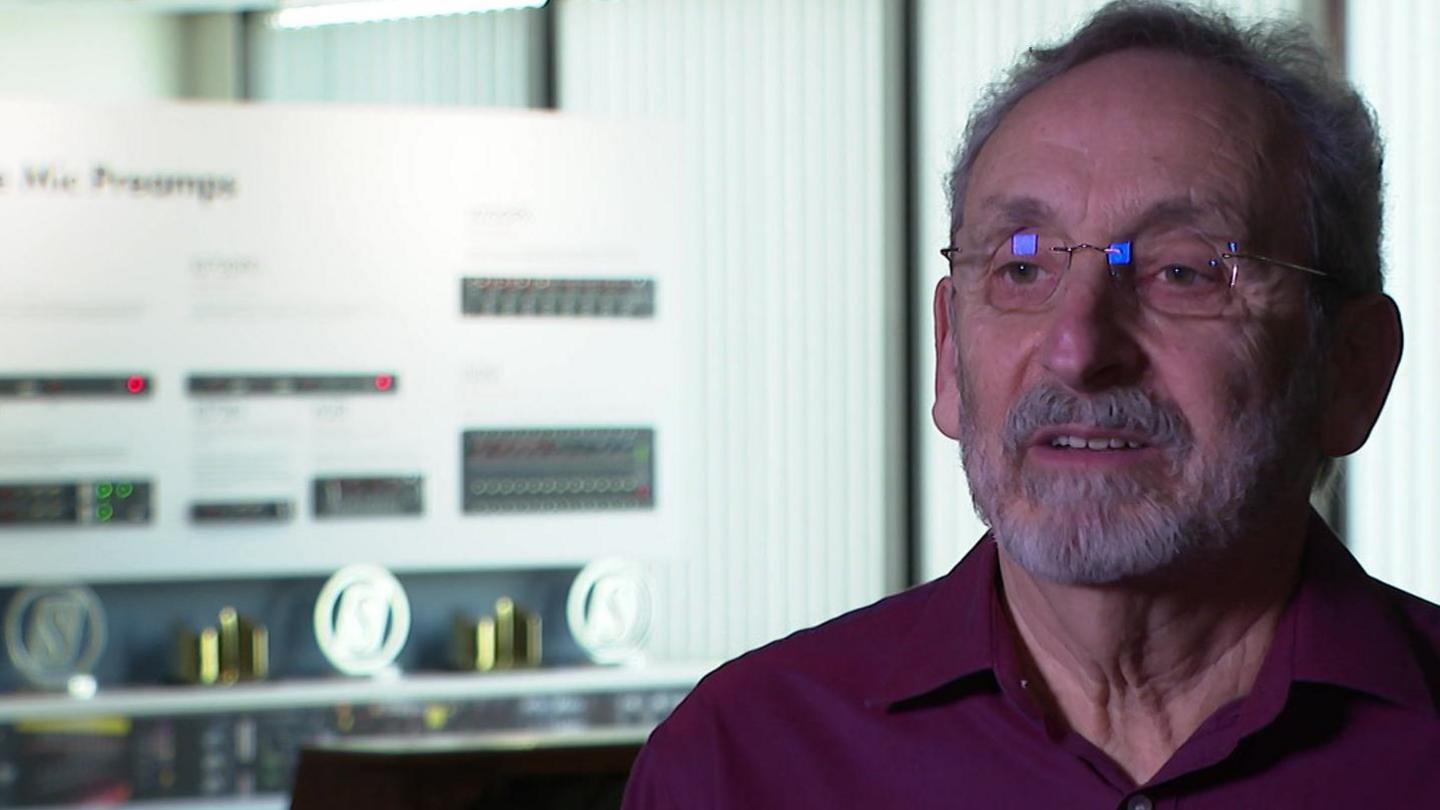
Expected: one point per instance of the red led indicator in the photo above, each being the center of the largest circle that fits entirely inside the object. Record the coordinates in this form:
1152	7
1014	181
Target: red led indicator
384	382
136	385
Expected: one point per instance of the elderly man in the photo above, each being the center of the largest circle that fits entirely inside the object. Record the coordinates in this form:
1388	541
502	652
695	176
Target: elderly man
1163	318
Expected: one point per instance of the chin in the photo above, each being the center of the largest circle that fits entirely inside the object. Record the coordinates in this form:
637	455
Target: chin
1105	540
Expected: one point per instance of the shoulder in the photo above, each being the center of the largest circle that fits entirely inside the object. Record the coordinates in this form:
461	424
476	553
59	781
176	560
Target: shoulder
726	743
1419	617
1416	624
845	656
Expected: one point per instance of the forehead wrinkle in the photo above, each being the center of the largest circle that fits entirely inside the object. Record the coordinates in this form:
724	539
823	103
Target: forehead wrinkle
1003	214
1209	214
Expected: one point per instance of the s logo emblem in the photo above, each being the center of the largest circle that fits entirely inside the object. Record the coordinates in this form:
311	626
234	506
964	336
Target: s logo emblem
54	633
362	619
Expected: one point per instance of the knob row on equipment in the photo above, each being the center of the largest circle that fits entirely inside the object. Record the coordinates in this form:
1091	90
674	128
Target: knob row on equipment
595	298
552	486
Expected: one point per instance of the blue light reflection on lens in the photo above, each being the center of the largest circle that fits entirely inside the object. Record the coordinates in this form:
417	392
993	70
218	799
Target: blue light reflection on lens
1118	253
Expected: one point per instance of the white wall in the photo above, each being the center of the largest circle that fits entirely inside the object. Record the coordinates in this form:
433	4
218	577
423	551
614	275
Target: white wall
1394	514
488	59
791	110
89	54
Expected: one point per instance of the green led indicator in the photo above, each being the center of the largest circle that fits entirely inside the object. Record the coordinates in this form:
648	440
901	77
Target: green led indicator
105	512
642	453
125	490
103	491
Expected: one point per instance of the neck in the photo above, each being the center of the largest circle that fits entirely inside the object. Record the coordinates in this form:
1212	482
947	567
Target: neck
1136	667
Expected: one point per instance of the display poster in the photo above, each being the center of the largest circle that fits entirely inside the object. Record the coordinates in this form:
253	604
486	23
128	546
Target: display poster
249	340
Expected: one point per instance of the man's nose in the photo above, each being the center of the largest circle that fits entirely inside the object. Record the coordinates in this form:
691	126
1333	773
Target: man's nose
1089	343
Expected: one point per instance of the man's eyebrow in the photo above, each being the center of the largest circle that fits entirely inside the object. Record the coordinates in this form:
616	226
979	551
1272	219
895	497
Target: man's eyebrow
1001	214
1177	211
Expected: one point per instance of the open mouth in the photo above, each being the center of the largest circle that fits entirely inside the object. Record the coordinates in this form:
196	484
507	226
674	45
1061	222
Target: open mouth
1095	443
1087	441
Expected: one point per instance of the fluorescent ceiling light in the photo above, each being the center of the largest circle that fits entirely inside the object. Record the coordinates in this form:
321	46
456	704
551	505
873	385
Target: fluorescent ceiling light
359	11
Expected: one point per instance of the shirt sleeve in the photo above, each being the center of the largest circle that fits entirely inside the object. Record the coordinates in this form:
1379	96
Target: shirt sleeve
674	768
649	786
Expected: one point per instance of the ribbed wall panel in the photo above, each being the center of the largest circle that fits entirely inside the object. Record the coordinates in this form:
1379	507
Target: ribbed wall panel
487	59
964	45
791	117
1394	515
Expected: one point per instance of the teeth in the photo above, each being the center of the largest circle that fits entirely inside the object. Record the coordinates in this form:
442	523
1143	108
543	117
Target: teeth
1080	443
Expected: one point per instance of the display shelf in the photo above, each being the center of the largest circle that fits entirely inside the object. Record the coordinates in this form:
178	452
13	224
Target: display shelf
495	741
181	700
271	801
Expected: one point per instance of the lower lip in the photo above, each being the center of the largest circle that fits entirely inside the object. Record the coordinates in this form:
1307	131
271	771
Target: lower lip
1077	458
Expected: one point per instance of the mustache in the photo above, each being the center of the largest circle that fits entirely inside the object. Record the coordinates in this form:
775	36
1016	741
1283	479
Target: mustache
1129	409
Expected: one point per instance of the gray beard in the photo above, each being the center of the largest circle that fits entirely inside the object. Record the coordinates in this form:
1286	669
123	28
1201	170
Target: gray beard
1097	528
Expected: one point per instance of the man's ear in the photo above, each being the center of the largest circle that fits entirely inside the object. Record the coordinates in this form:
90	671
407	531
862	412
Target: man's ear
946	411
1365	350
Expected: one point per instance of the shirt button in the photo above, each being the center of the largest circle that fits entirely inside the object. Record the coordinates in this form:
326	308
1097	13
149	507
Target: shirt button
1140	802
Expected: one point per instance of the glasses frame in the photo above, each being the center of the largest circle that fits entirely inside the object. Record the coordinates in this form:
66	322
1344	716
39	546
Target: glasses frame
1232	251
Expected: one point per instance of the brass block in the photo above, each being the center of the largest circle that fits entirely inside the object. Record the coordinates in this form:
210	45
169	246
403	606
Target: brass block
527	641
254	651
508	640
236	650
229	646
198	656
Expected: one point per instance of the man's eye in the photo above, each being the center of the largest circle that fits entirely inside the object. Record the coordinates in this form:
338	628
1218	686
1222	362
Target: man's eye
1020	273
1178	274
1184	275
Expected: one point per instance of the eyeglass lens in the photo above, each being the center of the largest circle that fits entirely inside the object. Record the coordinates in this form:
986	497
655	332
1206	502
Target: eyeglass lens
1175	272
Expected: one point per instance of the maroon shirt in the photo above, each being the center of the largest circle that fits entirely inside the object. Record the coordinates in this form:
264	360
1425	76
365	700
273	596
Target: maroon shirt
917	702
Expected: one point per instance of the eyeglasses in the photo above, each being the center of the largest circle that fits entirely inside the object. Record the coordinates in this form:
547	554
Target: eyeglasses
1180	272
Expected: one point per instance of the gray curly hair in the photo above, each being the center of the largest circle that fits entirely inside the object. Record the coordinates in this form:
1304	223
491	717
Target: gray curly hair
1340	149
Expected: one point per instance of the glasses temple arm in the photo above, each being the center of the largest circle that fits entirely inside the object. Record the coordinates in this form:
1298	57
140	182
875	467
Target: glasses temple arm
1258	258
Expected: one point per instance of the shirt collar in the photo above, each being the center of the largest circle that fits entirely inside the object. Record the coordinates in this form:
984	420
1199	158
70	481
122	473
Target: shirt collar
952	634
1348	631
